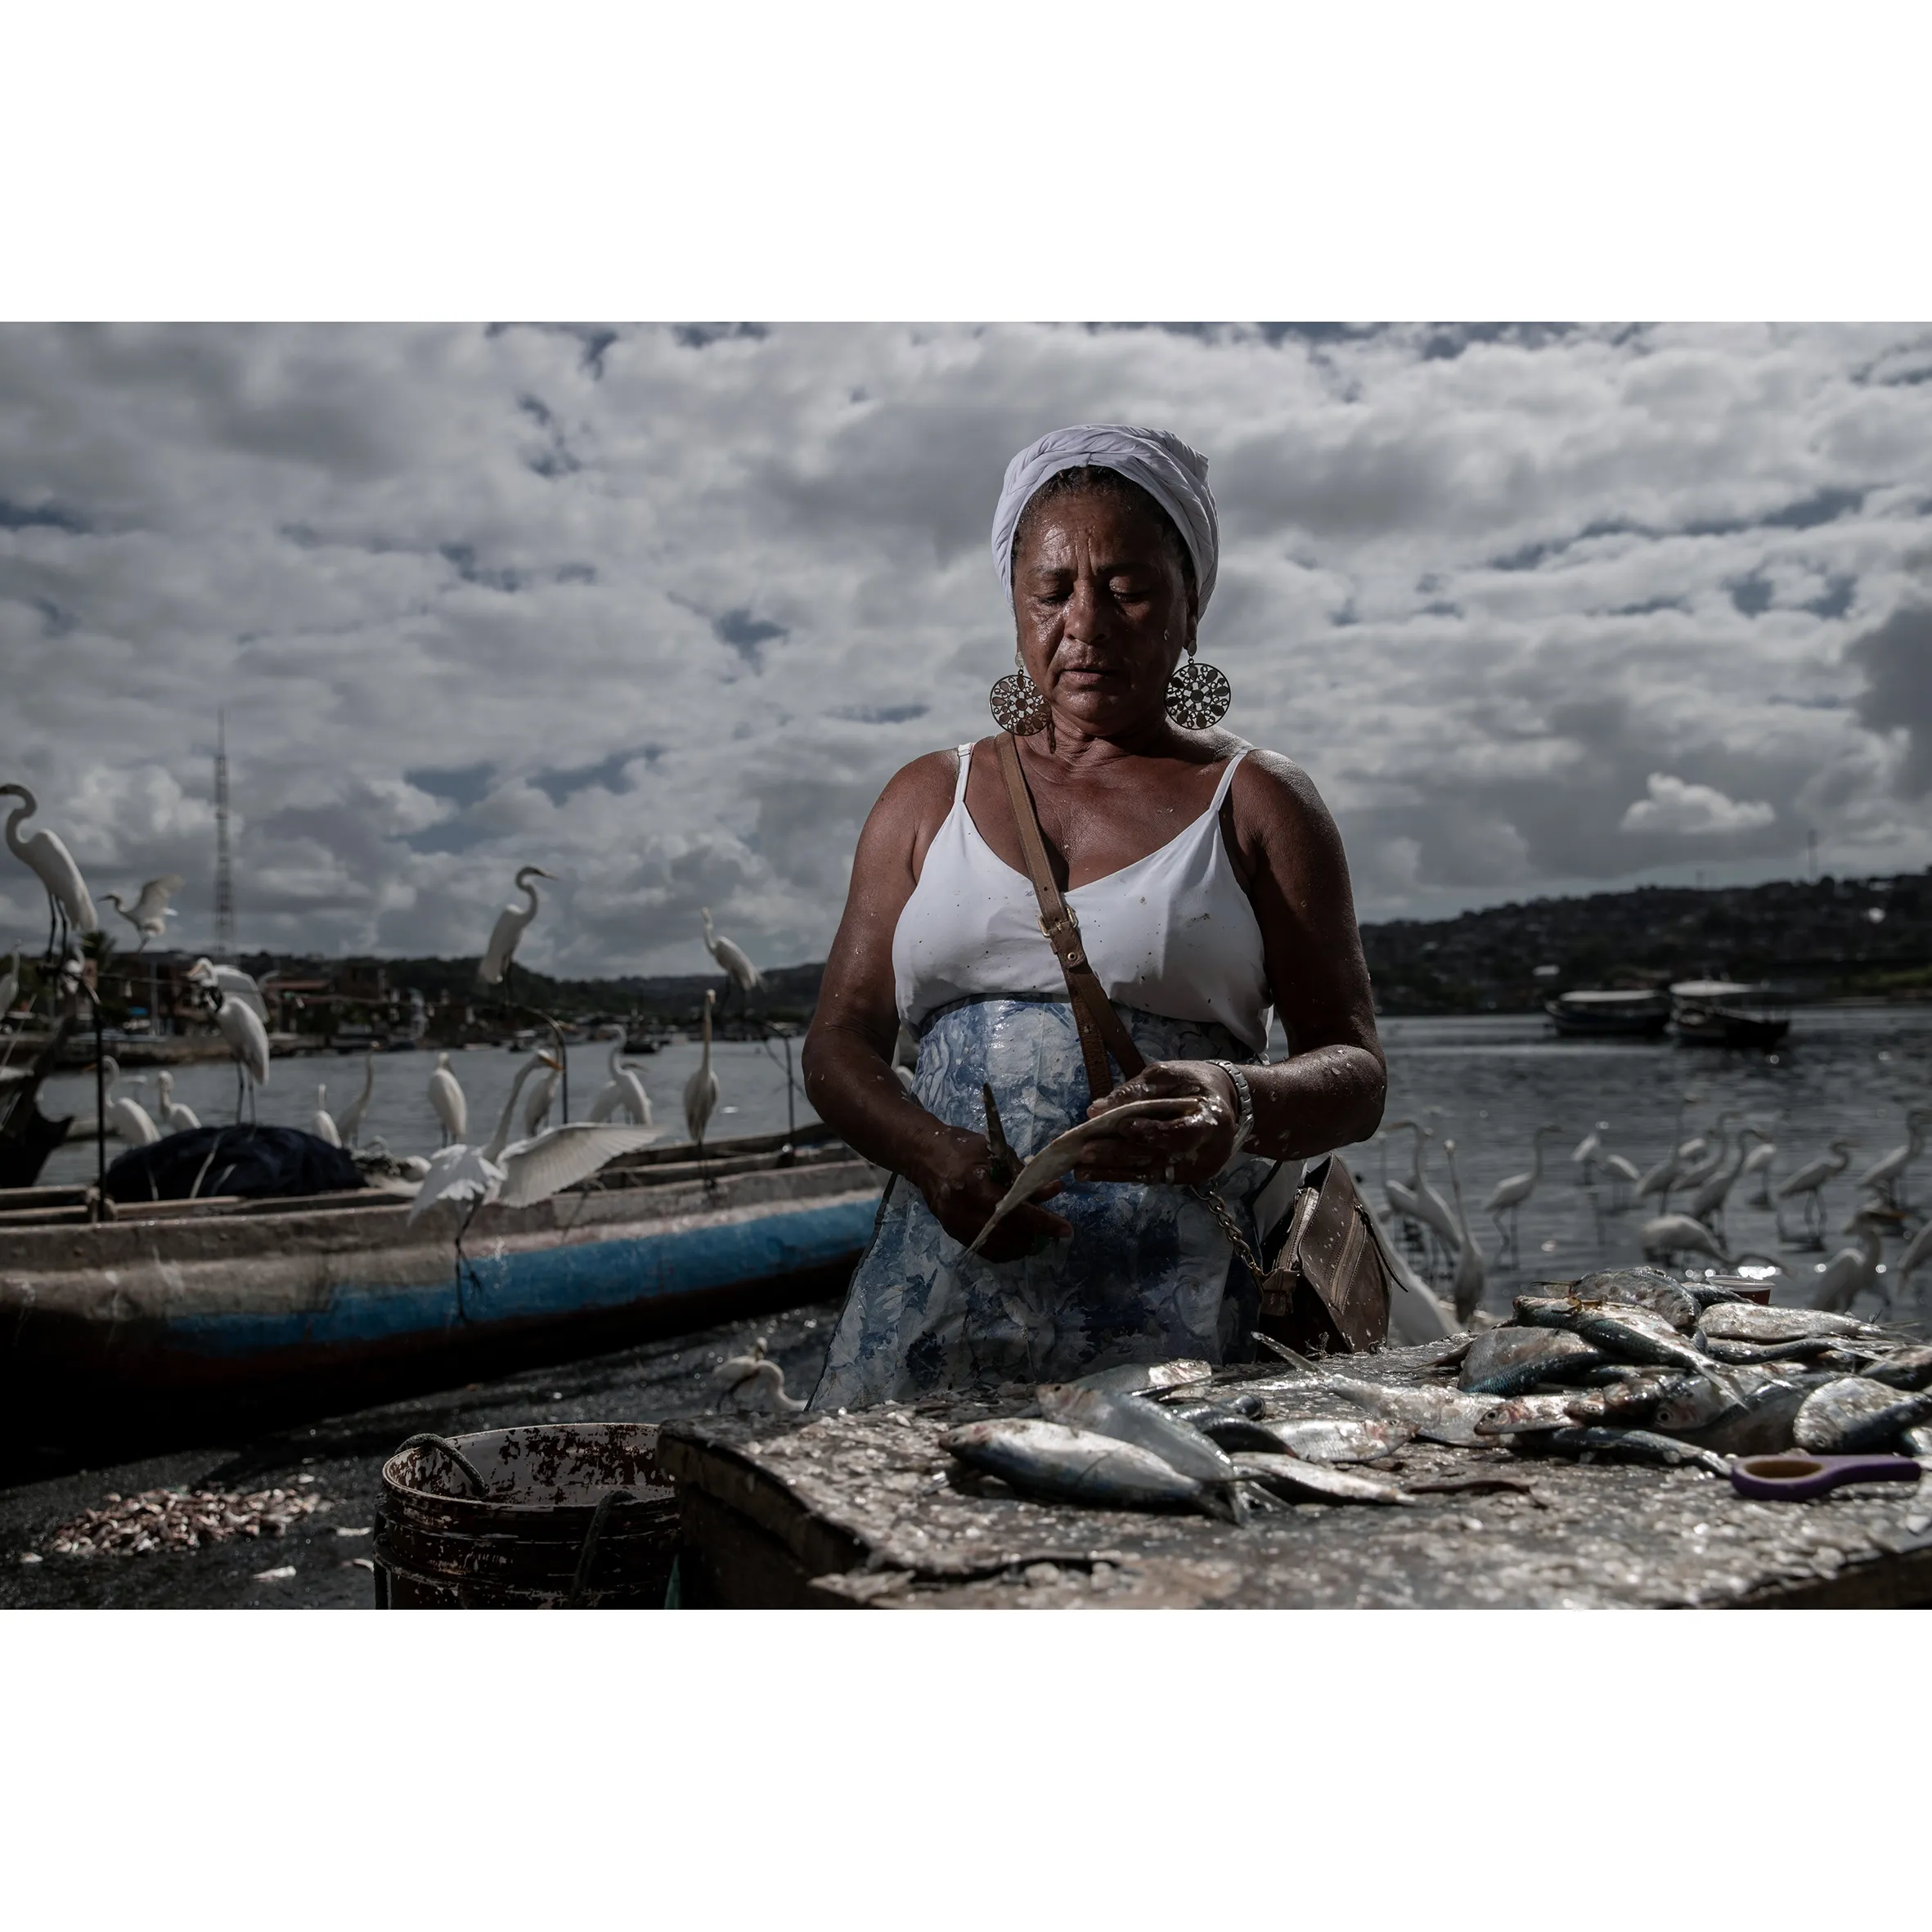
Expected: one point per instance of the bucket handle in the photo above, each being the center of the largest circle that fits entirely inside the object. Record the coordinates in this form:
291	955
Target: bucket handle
455	1454
587	1559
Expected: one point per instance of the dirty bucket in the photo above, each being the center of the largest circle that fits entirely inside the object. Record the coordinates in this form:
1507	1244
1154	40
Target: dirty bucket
551	1515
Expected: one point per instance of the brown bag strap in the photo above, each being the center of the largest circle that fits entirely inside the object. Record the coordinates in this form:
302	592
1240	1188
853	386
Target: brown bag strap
1101	1028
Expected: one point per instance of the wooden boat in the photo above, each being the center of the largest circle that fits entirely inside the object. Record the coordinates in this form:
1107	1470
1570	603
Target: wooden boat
166	1314
1725	1012
1610	1014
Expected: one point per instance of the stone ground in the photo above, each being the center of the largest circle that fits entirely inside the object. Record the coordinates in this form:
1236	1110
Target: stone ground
342	1459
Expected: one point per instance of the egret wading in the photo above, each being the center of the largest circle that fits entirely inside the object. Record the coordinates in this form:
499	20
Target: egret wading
1807	1184
349	1122
701	1090
1885	1176
1471	1277
1509	1196
1853	1269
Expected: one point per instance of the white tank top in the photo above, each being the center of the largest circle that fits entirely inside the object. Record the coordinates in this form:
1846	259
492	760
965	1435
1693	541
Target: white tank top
1172	934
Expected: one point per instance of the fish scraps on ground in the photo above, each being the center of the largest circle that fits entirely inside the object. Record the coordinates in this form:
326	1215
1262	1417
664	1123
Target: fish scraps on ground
178	1520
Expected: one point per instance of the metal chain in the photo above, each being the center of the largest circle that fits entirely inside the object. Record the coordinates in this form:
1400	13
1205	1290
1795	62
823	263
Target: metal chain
1224	1219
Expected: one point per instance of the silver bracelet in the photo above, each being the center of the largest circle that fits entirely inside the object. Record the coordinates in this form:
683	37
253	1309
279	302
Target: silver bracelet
1244	1096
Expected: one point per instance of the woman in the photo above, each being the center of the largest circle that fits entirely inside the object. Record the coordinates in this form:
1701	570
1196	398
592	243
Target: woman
1209	886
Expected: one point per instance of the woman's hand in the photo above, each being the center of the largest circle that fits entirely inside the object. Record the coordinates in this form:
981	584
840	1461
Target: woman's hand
958	1181
1186	1151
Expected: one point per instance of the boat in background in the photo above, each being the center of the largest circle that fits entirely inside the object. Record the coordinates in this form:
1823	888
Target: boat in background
1726	1013
152	1322
1610	1013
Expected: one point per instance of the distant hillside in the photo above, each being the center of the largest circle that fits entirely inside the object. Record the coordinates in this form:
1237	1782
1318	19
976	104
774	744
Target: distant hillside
1823	938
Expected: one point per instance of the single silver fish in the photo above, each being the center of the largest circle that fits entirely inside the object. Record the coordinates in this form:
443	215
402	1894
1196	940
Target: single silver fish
1750	1321
1635	1333
1625	1446
1299	1481
1127	1419
1642	1287
1320	1438
1910	1368
1853	1414
1804	1348
1508	1361
1058	1464
1062	1154
1517	1413
1436	1415
1132	1378
1763	1423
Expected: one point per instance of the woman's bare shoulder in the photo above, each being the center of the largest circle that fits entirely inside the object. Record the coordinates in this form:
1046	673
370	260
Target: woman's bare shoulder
913	806
1271	784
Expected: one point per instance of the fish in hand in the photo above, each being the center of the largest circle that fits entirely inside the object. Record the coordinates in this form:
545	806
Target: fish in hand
1062	1154
1055	1464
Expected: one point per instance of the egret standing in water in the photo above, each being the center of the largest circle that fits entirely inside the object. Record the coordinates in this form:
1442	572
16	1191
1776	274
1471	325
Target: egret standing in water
1509	1196
349	1120
447	1098
68	905
701	1090
1471	1275
1885	1176
1808	1185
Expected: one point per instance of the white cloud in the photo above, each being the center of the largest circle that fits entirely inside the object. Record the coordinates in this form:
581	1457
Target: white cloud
1692	810
671	614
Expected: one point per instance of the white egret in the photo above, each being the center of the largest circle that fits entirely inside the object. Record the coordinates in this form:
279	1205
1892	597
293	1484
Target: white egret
701	1090
150	912
1853	1269
511	924
625	1087
1707	1204
50	860
1466	1291
753	1379
349	1122
447	1098
1697	1170
181	1118
322	1123
1509	1196
1808	1185
1587	1152
1757	1161
1659	1179
240	1025
531	1171
1416	1313
1620	1170
1429	1208
127	1118
1671	1234
537	1110
231	983
1883	1176
731	956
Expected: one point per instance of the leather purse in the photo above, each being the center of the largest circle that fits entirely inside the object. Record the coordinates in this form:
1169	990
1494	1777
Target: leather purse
1328	1291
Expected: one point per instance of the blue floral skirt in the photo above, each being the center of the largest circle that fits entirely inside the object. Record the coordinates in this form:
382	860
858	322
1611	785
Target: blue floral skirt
1147	1276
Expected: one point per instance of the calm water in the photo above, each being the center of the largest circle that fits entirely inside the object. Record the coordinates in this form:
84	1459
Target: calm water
1486	1083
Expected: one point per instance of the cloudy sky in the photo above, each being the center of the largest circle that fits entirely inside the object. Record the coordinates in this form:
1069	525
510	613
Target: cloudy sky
660	608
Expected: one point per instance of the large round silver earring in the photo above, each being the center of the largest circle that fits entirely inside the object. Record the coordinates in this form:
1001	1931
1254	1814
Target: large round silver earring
1198	695
1018	704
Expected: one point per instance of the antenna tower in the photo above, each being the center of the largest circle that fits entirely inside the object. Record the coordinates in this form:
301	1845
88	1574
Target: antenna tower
224	863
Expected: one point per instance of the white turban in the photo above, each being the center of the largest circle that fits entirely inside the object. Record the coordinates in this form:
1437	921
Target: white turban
1173	474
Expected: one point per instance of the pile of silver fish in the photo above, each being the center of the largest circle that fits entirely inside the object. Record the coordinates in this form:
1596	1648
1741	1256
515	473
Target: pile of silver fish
1629	1365
178	1520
